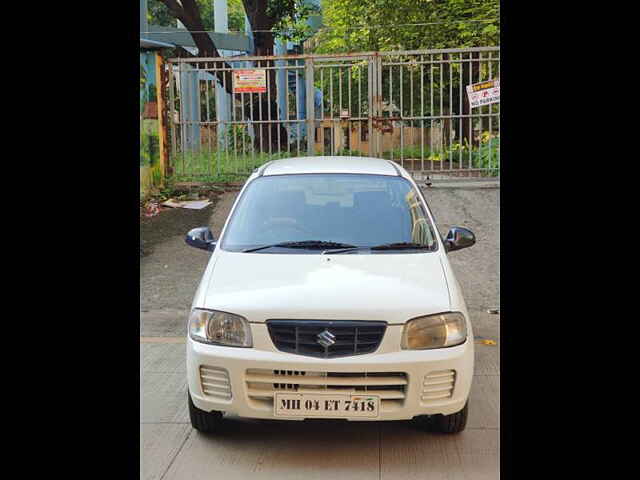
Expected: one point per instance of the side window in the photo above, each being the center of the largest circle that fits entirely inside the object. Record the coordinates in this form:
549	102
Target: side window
435	222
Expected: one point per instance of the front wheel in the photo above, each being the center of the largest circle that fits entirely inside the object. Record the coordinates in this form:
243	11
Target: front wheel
454	423
203	421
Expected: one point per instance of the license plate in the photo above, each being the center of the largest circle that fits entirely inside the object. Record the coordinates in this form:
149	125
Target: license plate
325	405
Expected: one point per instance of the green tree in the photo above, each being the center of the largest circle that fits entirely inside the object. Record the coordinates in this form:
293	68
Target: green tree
236	15
395	25
159	14
366	25
269	19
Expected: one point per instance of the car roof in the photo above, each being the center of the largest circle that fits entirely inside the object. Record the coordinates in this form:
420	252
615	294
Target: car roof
330	164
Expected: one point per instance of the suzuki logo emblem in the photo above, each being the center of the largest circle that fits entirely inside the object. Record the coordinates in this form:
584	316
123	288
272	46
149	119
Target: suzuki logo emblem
326	338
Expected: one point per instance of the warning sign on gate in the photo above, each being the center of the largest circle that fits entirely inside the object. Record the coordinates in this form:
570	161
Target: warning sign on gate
484	93
250	81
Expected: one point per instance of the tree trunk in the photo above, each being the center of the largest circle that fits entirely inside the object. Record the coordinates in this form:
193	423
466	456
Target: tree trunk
189	14
272	136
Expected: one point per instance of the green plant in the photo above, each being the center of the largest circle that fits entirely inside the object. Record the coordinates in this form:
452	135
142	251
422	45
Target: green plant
221	166
149	149
350	153
485	156
488	155
144	150
156	176
236	138
414	152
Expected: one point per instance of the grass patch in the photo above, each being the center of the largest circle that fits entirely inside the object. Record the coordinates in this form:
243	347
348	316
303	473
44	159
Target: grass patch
220	167
227	167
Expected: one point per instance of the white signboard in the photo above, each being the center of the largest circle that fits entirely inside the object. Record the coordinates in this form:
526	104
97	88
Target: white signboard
250	81
484	93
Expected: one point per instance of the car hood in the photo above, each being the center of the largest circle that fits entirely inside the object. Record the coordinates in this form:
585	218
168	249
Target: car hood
390	287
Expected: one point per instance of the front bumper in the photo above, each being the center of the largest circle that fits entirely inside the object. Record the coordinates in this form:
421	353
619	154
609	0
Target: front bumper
242	381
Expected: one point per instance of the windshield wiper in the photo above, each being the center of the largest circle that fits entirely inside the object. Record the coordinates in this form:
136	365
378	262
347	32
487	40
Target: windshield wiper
401	246
386	246
311	244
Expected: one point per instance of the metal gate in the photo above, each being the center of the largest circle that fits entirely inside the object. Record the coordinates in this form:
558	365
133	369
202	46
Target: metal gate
410	107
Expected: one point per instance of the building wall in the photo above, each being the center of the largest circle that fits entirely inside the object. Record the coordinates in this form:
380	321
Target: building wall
359	137
149	133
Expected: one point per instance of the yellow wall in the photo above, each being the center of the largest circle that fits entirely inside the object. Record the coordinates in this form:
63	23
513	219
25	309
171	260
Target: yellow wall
145	180
149	178
410	136
152	141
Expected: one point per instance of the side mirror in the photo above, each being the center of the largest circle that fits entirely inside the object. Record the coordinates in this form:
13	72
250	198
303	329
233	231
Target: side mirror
459	238
202	238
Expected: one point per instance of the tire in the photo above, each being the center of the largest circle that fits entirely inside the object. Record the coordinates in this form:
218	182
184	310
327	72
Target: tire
203	421
454	423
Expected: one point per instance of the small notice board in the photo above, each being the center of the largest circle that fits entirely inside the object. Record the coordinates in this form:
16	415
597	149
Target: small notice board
250	81
484	93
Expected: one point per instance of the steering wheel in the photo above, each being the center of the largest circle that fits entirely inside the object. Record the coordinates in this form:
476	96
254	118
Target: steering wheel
283	222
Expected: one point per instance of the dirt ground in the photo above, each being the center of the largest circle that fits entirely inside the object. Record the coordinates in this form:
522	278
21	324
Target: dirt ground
169	223
170	270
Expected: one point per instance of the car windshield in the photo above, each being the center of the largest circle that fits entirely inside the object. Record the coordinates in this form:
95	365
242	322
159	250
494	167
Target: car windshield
325	211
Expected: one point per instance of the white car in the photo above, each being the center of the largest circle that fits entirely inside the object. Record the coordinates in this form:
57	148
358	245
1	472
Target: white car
330	295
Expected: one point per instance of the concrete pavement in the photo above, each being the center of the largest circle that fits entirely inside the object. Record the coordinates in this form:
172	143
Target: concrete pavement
171	449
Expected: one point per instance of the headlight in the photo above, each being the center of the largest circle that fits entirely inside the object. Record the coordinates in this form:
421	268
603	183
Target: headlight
219	328
434	331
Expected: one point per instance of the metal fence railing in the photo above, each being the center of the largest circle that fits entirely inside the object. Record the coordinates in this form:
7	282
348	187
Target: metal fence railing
228	116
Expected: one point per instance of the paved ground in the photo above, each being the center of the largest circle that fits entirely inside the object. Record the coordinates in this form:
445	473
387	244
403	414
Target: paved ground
171	449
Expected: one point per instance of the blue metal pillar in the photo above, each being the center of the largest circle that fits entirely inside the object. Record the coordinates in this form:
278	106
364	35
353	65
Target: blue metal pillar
190	94
301	103
223	99
281	83
249	33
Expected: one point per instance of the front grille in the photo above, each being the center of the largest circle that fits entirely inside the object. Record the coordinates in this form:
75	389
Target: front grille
215	382
438	385
349	337
262	385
